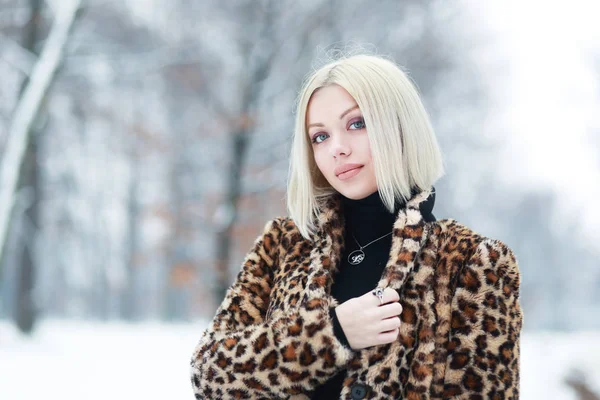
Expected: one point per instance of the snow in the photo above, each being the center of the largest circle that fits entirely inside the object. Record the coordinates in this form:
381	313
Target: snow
91	360
548	358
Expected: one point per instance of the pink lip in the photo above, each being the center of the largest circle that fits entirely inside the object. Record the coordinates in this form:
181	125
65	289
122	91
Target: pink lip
345	168
349	174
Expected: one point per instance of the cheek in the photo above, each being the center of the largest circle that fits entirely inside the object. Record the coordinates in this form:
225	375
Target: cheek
321	162
366	147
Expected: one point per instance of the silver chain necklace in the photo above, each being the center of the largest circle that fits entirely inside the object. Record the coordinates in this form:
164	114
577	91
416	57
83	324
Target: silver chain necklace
358	256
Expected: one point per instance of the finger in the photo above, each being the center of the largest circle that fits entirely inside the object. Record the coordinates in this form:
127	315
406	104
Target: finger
388	337
389	324
388	310
389	295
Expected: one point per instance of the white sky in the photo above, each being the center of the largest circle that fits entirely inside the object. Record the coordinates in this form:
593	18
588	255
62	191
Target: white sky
547	90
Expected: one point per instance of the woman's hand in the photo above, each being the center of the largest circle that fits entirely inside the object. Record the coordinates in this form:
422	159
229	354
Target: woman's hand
366	323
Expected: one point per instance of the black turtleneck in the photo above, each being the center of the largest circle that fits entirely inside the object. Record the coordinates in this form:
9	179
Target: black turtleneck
365	220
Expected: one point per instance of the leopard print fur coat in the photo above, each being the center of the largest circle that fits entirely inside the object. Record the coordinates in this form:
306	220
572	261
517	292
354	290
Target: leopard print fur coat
272	336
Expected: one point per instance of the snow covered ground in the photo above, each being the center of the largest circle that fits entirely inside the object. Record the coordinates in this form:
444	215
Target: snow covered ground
71	360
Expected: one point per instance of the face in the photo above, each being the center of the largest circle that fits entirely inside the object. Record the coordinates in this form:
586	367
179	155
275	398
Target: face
340	143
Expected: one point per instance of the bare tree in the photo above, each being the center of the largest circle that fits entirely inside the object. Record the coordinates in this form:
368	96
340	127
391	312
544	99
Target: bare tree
261	46
25	310
19	163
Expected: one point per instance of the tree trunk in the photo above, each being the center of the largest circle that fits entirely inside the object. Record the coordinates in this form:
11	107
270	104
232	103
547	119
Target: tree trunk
24	312
234	183
19	141
127	299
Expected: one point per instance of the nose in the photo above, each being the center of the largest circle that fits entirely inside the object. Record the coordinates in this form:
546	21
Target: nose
340	146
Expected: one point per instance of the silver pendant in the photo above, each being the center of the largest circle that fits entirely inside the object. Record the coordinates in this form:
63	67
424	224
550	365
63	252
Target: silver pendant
356	257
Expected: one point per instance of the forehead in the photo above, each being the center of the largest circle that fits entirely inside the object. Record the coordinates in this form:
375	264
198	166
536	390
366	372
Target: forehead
327	103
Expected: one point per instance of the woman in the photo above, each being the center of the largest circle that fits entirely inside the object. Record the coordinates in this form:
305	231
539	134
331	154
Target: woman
361	293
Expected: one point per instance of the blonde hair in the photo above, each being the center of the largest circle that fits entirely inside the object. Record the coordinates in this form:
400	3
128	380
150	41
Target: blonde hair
404	148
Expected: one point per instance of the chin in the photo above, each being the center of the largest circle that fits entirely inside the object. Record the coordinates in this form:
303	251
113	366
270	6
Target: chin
356	193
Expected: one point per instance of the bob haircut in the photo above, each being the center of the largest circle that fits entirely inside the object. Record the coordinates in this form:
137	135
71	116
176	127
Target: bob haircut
405	151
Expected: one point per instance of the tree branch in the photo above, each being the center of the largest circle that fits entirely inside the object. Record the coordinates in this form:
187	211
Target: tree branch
28	109
16	55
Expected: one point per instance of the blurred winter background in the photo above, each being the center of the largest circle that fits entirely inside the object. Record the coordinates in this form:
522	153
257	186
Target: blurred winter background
144	143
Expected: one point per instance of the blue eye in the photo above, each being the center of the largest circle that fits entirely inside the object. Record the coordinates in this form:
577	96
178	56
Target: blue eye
358	124
315	138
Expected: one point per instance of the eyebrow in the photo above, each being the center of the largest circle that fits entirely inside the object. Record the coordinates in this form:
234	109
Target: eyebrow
341	116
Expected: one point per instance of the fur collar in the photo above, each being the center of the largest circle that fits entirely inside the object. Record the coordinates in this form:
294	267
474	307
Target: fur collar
410	233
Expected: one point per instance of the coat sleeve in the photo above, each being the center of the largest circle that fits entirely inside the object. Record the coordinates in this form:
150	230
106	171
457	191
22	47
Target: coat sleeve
246	355
486	321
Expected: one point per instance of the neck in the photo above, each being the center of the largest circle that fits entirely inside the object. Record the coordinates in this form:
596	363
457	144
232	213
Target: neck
368	219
